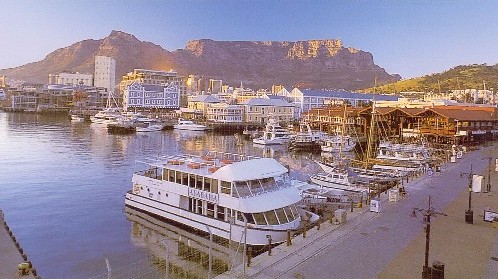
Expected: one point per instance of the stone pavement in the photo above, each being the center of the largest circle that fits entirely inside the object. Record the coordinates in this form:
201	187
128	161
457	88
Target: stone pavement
467	250
453	242
10	256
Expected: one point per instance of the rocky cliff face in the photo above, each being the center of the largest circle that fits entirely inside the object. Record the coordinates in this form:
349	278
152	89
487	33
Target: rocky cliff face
313	64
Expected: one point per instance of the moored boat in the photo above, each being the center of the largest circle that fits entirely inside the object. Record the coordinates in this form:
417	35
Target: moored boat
305	139
150	126
189	125
234	196
273	134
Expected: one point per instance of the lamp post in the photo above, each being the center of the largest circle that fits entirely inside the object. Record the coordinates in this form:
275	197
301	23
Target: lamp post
427	213
488	185
469	213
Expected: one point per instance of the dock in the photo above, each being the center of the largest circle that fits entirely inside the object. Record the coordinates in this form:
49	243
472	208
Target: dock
390	243
12	254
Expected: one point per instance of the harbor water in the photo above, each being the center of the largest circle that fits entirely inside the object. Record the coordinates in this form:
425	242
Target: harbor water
62	187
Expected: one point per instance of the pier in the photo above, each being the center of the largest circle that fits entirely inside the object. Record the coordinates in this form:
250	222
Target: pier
390	244
12	256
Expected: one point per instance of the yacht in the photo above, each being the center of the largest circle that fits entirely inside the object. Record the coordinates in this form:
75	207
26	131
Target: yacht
150	126
189	125
305	139
106	116
273	134
339	179
238	197
338	143
77	118
403	152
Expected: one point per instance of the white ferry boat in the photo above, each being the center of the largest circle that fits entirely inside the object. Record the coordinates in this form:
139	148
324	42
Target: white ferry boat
189	125
238	197
273	134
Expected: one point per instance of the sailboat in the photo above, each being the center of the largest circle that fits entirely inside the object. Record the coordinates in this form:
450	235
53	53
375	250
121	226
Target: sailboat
110	115
339	143
355	179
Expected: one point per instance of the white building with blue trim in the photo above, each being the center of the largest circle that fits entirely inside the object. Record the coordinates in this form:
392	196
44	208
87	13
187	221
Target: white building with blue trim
150	96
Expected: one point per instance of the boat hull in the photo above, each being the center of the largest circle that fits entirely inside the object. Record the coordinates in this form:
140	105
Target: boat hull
322	181
255	235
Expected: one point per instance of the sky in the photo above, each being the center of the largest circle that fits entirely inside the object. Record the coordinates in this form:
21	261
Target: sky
410	38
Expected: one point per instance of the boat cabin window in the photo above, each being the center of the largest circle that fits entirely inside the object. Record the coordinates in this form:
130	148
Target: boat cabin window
242	189
288	213
250	219
271	217
294	211
281	216
210	209
171	175
214	186
207	184
259	218
225	187
220	212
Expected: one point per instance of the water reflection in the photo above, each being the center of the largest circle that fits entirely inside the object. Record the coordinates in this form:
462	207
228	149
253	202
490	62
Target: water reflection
63	185
186	254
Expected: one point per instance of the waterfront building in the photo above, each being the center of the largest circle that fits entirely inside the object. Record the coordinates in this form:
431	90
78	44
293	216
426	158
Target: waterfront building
105	74
197	106
138	95
307	99
259	110
153	77
331	119
440	124
70	78
224	113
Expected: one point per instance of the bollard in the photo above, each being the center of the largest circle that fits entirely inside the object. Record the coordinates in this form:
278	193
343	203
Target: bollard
352	205
269	244
289	239
33	271
318	224
305	228
20	250
249	256
24	257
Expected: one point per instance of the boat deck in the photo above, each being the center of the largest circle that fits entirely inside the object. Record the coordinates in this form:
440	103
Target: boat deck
202	165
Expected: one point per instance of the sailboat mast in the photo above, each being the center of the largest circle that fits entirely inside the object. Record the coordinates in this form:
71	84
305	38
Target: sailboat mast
342	131
370	135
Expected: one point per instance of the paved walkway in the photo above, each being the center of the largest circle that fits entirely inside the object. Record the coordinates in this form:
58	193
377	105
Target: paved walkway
9	255
391	244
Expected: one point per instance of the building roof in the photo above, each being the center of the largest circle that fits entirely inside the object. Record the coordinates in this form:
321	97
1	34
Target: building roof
464	114
275	97
347	95
267	102
205	99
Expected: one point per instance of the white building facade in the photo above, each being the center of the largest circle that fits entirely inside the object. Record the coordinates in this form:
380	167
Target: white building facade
71	79
105	73
146	96
225	113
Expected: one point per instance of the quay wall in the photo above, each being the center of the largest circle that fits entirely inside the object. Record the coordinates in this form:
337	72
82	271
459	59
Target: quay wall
12	254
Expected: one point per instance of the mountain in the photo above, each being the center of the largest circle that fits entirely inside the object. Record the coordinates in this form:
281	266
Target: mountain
460	77
319	64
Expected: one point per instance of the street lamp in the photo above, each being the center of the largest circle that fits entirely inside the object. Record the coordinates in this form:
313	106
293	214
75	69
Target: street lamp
427	213
488	185
469	213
